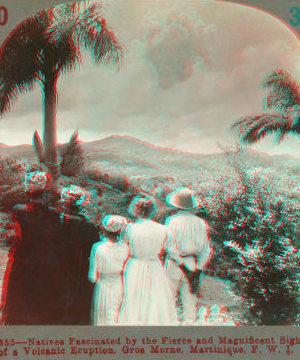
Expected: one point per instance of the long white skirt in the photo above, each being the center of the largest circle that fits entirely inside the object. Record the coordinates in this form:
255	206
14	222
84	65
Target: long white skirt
148	298
107	300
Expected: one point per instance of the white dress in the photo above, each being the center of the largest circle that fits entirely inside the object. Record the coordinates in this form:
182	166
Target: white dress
148	298
106	267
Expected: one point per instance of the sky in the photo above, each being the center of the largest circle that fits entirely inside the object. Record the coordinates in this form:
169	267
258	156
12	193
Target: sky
190	69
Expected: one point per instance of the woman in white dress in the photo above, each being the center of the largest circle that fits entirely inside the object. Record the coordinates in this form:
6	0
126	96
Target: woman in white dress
106	271
148	296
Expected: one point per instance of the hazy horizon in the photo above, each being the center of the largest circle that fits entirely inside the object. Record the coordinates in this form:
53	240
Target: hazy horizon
146	143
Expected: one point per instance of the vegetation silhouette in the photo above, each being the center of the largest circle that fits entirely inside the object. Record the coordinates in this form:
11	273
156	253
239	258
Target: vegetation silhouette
45	46
283	99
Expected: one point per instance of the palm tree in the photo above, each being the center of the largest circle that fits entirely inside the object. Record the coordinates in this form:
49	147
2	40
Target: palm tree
43	47
284	99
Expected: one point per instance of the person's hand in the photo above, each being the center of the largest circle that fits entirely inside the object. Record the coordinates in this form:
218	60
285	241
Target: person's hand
174	254
189	274
193	279
196	282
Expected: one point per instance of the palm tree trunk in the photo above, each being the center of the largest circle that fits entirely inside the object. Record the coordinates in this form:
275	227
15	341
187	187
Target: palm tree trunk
49	127
49	121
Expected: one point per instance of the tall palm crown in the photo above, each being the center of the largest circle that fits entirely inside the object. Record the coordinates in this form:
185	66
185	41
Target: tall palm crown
49	44
284	99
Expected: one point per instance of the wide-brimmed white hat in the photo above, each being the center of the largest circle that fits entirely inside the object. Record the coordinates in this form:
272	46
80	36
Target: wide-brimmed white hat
114	223
183	198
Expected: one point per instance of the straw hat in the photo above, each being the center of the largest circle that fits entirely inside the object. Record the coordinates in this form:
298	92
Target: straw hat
114	223
183	198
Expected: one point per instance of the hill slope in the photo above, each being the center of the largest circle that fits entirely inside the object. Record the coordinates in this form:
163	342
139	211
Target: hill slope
135	157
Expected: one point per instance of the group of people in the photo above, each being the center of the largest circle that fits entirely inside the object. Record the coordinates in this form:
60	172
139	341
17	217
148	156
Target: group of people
63	274
133	286
45	282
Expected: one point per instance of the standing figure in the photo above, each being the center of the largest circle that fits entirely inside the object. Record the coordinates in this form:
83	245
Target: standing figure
189	250
47	280
106	271
148	296
79	234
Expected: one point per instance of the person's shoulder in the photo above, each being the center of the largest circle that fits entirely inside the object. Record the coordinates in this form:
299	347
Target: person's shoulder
159	226
95	245
124	246
31	209
173	218
81	222
200	220
100	245
28	207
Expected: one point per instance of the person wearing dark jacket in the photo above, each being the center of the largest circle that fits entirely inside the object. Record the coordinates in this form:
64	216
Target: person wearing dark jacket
48	280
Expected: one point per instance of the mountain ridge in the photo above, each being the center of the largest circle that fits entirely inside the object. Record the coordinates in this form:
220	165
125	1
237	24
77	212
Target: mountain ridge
131	154
144	143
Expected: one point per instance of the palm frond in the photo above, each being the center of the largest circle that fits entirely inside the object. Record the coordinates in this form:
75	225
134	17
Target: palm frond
49	43
68	56
19	60
38	146
252	129
73	138
87	27
284	91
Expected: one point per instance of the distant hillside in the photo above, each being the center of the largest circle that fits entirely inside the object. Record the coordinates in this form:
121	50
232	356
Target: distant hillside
136	157
20	151
131	153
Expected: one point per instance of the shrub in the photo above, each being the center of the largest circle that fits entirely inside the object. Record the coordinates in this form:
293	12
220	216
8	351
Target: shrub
116	179
10	233
253	228
119	181
72	157
11	197
94	174
11	170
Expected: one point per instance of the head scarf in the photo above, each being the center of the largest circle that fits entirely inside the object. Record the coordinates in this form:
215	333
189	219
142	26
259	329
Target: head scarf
114	223
37	181
74	195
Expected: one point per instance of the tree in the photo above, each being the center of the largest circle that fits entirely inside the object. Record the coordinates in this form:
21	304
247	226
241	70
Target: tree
284	99
43	47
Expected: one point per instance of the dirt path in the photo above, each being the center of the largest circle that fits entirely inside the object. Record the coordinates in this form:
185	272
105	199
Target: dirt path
214	291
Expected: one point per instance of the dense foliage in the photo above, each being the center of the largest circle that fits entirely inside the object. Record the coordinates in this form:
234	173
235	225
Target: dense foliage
10	171
255	236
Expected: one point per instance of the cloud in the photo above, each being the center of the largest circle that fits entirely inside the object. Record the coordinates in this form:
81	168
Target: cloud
173	44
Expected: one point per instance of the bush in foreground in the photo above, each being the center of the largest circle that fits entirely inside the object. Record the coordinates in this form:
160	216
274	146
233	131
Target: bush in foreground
253	228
